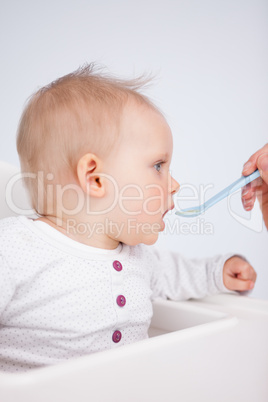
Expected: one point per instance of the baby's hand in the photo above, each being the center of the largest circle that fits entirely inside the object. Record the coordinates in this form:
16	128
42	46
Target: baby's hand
238	274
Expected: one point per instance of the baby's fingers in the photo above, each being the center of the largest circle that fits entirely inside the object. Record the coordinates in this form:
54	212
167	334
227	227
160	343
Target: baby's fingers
245	280
238	274
247	273
247	277
240	285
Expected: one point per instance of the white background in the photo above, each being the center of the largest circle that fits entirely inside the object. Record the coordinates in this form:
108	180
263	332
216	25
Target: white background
210	60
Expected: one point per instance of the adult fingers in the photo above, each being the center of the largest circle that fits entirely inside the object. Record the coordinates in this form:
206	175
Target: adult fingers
251	163
248	200
262	164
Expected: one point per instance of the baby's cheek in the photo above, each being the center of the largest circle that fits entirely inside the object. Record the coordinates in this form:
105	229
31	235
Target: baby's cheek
130	200
154	201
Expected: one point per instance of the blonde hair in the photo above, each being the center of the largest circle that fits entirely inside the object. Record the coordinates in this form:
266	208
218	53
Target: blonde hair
76	114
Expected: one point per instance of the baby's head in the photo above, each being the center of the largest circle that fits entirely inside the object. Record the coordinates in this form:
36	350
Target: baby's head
73	115
81	132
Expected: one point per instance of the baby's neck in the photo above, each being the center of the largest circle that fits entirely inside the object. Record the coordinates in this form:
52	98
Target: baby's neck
82	232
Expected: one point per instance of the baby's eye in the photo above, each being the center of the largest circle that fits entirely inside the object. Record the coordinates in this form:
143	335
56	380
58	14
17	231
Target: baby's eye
157	166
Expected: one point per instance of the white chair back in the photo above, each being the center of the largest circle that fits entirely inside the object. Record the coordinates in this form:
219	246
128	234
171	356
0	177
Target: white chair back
14	199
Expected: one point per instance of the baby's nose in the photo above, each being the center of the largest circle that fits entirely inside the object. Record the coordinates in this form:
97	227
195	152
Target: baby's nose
174	186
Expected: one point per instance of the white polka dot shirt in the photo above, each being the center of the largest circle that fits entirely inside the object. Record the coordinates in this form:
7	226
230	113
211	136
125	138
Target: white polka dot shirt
61	299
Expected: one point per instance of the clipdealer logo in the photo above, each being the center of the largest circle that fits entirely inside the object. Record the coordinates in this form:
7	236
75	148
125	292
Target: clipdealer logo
188	193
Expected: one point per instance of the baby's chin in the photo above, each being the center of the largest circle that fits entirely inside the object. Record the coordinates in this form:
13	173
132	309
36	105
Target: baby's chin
151	241
148	240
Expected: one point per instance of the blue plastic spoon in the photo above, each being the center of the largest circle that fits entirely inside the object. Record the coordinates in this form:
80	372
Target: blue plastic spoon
195	211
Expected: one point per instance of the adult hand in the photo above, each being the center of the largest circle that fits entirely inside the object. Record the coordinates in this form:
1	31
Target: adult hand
258	188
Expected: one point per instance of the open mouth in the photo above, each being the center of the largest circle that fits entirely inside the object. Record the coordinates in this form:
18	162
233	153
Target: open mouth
172	206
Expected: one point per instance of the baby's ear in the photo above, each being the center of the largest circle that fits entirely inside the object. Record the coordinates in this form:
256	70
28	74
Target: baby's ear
89	175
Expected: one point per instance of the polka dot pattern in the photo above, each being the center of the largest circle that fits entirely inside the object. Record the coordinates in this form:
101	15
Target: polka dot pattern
59	300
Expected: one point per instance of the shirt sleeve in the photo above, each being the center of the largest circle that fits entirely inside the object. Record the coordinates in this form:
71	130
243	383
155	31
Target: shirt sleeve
7	285
175	277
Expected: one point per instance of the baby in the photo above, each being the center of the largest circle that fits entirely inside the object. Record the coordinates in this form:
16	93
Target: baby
81	278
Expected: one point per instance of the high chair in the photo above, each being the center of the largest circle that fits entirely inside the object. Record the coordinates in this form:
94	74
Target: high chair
209	350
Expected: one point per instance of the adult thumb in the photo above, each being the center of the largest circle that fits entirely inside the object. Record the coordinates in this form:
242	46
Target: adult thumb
262	164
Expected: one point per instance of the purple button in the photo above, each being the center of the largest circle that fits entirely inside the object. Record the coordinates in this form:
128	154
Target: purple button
117	336
117	266
121	300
